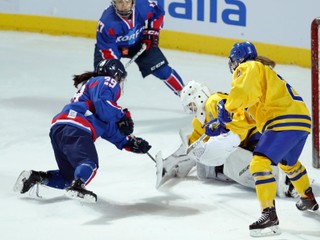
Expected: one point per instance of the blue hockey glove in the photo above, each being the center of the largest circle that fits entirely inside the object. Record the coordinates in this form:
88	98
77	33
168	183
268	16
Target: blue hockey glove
150	38
137	145
223	115
125	125
215	128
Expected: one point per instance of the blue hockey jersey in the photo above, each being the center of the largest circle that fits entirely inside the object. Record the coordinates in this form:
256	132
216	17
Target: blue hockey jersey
116	33
94	109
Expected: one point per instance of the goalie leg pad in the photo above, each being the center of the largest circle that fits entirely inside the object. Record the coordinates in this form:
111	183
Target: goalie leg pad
184	166
162	174
172	166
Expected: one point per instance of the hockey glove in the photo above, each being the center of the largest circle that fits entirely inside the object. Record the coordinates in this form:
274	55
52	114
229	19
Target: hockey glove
223	115
125	125
215	128
137	145
150	38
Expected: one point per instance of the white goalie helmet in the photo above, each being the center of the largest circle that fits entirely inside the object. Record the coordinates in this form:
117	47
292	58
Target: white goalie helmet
193	97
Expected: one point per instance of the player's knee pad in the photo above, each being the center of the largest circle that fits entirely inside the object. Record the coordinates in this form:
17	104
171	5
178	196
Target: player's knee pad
294	172
163	73
260	164
85	171
298	176
297	167
260	168
170	77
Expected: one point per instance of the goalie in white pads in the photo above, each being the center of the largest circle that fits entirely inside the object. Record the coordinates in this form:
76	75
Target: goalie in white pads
225	157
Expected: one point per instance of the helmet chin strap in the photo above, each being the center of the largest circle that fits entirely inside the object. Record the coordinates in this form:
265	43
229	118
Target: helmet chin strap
125	14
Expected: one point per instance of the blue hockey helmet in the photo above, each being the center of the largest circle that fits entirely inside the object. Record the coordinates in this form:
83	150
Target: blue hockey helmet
113	68
123	7
241	52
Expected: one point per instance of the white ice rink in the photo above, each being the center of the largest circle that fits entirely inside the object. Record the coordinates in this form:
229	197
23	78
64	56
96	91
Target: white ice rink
36	82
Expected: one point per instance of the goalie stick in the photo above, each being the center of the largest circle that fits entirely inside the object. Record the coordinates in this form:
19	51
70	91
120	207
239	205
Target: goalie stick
142	49
196	143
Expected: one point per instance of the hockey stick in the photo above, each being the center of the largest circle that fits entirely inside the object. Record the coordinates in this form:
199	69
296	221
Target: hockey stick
196	143
142	49
152	158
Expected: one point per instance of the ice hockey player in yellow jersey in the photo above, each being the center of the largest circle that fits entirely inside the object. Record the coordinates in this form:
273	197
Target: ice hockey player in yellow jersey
225	156
284	121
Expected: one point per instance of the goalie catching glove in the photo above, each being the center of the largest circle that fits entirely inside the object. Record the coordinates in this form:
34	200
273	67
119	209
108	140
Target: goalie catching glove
223	115
150	38
217	125
125	125
215	128
137	145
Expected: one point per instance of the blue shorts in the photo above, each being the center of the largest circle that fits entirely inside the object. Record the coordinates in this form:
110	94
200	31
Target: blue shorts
148	62
151	61
283	147
72	146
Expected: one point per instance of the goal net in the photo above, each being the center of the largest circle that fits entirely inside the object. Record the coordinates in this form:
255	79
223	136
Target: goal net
315	25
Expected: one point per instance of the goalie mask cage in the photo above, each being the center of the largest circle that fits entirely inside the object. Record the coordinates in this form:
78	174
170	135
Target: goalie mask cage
315	90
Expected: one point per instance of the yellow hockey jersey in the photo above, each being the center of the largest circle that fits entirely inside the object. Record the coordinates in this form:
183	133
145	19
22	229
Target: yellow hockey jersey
237	126
270	100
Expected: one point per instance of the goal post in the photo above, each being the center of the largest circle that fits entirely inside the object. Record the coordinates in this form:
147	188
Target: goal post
315	25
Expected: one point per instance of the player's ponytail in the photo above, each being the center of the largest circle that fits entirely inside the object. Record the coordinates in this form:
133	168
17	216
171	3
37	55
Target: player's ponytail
266	61
78	79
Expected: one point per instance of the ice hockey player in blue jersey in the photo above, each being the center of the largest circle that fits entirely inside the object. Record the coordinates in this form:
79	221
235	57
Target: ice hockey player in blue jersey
122	30
92	113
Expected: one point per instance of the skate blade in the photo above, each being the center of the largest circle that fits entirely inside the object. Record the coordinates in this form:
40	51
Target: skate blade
270	231
81	197
18	186
316	212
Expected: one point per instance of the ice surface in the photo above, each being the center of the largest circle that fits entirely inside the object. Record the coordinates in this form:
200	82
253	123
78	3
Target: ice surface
36	73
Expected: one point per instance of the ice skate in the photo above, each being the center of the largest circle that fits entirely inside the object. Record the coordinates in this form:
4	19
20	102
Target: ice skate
267	224
78	191
28	179
308	203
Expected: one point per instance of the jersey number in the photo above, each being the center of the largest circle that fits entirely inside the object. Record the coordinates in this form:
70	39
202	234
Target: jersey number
110	82
100	26
291	91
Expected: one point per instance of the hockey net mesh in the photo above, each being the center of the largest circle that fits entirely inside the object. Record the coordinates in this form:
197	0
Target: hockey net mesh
315	63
